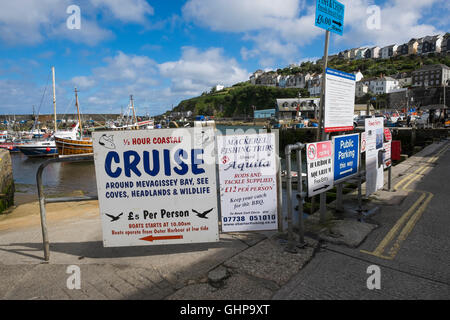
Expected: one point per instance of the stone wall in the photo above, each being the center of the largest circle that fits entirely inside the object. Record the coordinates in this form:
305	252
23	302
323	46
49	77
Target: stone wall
6	181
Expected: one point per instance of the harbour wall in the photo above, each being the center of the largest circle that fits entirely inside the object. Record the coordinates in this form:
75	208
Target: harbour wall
7	187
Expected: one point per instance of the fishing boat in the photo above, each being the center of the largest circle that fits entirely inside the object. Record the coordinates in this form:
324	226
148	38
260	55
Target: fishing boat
46	148
75	146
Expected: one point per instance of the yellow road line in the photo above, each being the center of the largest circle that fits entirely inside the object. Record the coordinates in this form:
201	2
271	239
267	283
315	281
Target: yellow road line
421	203
409	226
390	236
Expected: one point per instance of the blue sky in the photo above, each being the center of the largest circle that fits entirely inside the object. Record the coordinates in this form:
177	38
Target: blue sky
165	51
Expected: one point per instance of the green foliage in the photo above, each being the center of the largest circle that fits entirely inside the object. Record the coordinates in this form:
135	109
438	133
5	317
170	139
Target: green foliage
238	100
241	97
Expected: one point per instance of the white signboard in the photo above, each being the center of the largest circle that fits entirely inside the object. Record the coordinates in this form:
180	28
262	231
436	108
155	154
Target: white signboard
156	186
319	159
339	100
248	187
374	154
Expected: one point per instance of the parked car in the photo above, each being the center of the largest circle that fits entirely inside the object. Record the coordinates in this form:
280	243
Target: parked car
361	121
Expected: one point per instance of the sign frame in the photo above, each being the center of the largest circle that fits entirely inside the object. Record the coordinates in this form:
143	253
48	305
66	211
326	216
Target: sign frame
272	173
354	170
313	151
142	198
339	106
330	16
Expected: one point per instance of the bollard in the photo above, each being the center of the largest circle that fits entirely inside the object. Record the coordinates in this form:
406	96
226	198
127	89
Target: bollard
291	241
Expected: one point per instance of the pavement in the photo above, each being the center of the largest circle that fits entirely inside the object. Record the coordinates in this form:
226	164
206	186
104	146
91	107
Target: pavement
408	239
410	244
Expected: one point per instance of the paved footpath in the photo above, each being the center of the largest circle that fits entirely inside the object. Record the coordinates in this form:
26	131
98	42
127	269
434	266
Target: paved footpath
411	245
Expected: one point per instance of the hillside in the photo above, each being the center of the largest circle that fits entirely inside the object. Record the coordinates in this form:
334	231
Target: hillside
238	100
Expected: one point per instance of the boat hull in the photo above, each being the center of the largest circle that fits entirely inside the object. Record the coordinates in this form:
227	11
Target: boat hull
69	147
38	151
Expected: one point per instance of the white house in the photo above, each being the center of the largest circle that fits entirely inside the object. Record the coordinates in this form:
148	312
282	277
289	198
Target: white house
315	85
296	81
361	89
361	53
384	85
255	76
220	87
389	51
359	76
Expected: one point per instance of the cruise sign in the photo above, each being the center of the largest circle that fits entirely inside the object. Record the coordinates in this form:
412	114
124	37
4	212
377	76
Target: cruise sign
330	16
346	156
157	186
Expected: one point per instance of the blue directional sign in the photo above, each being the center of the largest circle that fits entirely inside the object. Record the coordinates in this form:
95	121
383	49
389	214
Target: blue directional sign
330	16
346	156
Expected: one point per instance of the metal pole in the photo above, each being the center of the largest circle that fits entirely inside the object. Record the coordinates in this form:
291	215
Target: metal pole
323	199
43	213
339	192
301	227
360	193
290	247
389	178
54	97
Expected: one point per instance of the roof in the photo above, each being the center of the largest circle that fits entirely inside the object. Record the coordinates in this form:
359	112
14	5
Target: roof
433	66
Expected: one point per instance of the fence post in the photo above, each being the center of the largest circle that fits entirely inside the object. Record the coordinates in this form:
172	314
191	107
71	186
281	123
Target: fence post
290	247
301	225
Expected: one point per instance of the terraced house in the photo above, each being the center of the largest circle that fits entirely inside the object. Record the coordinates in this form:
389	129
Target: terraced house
431	76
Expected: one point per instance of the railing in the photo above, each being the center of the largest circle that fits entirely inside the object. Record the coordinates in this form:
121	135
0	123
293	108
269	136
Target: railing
43	200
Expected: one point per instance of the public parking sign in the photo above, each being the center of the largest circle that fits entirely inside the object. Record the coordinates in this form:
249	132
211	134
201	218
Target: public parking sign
330	16
346	156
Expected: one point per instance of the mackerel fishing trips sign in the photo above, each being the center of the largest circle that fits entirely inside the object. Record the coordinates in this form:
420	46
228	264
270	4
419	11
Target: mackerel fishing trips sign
248	187
156	186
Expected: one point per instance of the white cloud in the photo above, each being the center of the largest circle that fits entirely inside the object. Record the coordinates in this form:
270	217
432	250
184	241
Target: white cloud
401	20
281	29
277	28
198	71
109	86
31	22
134	11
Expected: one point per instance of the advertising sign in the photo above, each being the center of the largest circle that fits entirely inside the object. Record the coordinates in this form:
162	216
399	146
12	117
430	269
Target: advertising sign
330	16
363	142
319	159
248	185
156	186
346	156
374	154
387	155
339	100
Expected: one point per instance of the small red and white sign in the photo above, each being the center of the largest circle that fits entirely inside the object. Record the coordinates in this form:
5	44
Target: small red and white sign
387	134
363	142
320	167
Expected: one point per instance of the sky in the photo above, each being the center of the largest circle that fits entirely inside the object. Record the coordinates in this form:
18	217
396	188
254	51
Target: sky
163	52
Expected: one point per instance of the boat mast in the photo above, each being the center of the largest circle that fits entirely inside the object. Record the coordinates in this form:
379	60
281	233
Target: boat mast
134	113
54	97
78	111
